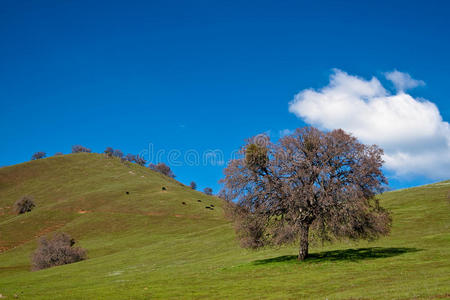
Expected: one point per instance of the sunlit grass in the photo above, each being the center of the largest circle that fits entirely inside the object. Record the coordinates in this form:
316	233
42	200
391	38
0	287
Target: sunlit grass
147	244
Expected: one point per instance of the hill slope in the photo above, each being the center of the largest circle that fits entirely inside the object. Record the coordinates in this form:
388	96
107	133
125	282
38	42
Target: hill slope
148	244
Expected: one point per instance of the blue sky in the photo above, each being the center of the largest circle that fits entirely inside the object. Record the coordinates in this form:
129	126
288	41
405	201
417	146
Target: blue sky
202	75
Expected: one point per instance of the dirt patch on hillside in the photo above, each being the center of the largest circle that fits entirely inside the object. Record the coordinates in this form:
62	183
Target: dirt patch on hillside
49	229
6	245
155	213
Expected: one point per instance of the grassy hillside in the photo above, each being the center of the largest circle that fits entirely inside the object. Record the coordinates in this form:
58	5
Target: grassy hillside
148	244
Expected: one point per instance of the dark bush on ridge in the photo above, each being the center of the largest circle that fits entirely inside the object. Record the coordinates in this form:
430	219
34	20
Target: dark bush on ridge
139	160
109	151
118	153
38	155
24	204
56	252
130	157
193	185
208	191
79	148
163	169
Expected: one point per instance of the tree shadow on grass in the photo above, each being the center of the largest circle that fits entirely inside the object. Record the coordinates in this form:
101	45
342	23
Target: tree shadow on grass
341	255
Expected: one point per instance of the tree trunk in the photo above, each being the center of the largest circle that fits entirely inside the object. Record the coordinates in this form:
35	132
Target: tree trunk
303	251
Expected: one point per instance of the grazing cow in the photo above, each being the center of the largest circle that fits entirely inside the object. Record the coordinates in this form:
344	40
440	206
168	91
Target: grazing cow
207	207
184	203
199	200
212	205
164	188
127	193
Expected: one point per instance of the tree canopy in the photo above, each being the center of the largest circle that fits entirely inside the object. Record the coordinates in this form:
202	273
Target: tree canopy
309	184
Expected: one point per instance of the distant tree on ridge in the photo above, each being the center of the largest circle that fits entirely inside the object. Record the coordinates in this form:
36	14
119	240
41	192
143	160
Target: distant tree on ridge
140	160
118	153
208	191
163	169
109	151
79	148
38	155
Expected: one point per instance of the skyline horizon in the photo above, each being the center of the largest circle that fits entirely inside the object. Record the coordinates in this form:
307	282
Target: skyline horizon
208	75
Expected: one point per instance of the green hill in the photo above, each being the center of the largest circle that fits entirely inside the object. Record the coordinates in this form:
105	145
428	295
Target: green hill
147	243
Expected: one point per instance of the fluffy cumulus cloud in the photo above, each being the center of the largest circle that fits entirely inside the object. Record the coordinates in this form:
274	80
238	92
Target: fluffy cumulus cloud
403	81
411	131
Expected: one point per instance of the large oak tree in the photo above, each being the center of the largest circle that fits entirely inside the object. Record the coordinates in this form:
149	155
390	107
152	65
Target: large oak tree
309	184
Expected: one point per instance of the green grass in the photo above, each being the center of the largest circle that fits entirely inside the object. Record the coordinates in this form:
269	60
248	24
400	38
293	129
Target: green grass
147	244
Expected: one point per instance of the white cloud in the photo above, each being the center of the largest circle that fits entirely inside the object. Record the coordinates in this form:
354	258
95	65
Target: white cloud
285	132
411	131
403	81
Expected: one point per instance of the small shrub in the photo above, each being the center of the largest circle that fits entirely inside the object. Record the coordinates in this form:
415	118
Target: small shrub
79	148
139	160
130	157
118	153
38	155
109	151
193	185
163	169
208	191
56	252
24	204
